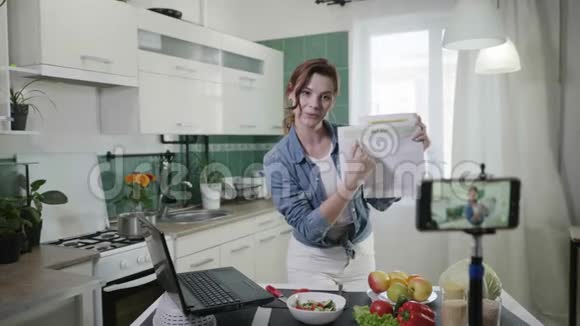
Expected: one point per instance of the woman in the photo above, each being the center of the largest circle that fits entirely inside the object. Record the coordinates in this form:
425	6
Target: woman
332	239
474	211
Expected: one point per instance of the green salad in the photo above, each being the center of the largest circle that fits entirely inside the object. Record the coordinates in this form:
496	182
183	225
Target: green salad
364	317
312	305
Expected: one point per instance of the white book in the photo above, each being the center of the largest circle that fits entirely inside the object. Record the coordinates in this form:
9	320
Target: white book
399	159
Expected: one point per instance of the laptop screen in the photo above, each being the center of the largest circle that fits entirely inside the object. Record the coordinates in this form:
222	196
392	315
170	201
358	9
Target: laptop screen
162	263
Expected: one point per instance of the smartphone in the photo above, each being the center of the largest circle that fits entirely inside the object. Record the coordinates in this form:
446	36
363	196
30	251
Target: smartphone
462	205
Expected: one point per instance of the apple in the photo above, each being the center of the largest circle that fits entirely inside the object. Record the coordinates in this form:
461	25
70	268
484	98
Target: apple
412	276
399	274
420	289
381	307
378	281
396	290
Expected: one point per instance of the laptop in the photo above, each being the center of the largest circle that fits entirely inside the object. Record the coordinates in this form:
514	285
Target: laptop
202	292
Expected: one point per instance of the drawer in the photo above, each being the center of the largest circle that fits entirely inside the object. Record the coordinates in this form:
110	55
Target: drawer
206	259
173	66
216	236
269	220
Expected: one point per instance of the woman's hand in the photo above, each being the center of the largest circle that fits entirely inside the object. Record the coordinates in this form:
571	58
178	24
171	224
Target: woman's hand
357	168
421	134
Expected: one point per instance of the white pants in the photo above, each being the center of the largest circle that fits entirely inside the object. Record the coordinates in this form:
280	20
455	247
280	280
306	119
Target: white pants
309	265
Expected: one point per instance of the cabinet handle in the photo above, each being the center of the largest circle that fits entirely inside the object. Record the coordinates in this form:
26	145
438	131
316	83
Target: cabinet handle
97	59
265	223
270	238
186	69
201	263
248	126
239	249
181	124
277	127
286	231
251	80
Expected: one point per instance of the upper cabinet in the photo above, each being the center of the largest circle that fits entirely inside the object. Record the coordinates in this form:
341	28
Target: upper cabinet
87	40
253	97
193	80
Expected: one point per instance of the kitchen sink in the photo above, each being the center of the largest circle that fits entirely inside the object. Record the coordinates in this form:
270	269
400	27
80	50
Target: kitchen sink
194	216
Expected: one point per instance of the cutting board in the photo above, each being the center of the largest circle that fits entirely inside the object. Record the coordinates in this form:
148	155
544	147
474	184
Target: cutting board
78	176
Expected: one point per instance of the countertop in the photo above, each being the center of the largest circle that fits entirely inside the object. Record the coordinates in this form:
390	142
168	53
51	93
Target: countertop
35	278
240	210
263	315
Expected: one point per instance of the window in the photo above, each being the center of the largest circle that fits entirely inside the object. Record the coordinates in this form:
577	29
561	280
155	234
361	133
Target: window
404	69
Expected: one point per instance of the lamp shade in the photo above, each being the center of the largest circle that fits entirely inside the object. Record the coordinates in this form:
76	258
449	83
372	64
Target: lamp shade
474	25
499	59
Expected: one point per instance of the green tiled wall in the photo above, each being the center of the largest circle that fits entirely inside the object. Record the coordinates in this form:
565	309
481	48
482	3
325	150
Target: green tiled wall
332	46
237	153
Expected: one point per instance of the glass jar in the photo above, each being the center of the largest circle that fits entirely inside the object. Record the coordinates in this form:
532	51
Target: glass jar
454	311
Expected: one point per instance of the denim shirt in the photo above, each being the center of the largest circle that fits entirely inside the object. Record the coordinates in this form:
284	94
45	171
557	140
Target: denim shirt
297	191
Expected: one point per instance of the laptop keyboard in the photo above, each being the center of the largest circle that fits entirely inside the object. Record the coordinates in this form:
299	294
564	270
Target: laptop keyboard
207	290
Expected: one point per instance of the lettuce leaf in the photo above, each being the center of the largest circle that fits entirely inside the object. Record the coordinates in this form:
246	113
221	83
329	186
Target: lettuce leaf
363	317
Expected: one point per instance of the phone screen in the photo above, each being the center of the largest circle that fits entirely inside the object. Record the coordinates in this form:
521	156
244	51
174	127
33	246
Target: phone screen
463	205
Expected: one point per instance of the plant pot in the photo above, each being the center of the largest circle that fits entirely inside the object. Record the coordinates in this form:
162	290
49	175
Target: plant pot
19	114
33	234
210	195
10	246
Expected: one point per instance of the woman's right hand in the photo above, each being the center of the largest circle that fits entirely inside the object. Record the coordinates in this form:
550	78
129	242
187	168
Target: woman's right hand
357	168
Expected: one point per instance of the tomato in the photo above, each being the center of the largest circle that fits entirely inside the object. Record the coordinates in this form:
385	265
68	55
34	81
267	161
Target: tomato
381	307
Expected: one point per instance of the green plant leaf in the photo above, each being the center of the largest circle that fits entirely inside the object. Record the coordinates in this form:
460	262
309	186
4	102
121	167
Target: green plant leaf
53	197
34	186
30	214
36	201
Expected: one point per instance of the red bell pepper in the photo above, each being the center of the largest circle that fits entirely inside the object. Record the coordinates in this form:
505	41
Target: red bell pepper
415	314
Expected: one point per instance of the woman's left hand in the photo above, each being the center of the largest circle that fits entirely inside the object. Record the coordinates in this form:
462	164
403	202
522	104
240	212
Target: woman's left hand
421	134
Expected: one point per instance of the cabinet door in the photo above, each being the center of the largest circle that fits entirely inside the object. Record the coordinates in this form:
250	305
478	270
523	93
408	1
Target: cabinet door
91	35
241	255
271	252
175	105
206	259
241	108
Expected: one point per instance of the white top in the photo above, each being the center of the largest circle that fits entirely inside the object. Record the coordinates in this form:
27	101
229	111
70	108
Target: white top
329	177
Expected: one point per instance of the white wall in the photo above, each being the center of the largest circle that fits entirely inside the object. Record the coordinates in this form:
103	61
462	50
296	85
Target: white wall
571	104
270	19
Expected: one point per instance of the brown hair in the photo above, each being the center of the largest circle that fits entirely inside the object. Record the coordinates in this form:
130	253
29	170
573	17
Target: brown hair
300	77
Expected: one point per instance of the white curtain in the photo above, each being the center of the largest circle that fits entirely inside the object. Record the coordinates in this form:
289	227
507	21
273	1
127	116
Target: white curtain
505	121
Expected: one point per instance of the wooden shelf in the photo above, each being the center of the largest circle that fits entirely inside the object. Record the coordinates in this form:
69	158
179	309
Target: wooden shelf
19	132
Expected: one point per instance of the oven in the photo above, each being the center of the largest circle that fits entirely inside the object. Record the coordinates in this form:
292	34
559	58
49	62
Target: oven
123	300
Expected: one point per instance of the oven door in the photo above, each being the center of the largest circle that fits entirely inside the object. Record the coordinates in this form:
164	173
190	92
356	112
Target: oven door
125	299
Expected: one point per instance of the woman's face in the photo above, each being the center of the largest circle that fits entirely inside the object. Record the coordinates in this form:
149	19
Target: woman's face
316	100
472	195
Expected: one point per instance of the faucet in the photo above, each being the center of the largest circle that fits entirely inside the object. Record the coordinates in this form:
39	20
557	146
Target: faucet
165	199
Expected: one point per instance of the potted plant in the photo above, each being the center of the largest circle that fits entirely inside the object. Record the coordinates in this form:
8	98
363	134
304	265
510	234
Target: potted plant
211	179
11	228
31	209
20	105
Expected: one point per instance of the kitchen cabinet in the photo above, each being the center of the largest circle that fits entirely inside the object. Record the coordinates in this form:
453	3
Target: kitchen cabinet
240	254
272	248
193	80
252	75
205	259
257	246
88	40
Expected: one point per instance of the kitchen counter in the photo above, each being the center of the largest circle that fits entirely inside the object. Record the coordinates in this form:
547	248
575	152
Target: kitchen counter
35	278
239	211
263	316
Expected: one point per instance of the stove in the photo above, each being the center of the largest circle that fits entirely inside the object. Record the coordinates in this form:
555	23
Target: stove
100	241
